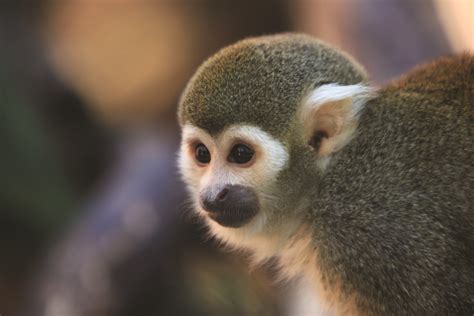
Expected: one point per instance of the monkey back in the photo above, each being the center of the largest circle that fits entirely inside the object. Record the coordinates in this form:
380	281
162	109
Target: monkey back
402	196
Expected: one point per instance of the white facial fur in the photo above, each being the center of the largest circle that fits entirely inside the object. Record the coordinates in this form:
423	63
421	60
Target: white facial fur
270	158
331	108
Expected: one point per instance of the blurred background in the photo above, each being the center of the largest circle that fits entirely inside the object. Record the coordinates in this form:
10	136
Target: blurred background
93	215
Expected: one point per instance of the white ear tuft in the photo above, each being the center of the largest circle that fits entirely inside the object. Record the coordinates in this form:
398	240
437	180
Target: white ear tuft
330	114
358	93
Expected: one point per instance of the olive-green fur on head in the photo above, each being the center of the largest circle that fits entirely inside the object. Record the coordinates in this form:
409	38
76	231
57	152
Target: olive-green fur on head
382	223
261	81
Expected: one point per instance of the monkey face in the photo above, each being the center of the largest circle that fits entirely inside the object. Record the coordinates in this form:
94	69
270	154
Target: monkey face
260	124
230	174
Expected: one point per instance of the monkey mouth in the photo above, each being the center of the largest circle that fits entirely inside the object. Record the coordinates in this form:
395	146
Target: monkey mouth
233	218
234	206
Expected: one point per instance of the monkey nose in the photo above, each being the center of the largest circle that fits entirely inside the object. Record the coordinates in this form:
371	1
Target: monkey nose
223	194
233	206
217	203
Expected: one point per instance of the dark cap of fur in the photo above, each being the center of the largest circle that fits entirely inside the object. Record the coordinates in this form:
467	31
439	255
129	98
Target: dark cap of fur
260	81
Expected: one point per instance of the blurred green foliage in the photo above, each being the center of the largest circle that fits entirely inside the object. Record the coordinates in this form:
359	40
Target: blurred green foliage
34	190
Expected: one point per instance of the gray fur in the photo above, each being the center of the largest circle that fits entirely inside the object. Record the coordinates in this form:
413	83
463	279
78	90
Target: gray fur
260	81
393	215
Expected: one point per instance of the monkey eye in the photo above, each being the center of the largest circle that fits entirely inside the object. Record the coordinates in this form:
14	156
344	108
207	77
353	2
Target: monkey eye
240	154
202	154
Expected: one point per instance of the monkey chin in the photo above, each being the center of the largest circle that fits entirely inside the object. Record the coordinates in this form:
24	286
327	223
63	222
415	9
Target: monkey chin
233	218
238	237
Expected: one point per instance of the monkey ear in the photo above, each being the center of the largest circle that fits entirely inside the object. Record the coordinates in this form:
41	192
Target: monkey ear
330	115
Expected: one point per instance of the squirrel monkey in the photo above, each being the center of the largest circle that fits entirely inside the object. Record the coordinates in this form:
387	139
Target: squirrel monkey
289	153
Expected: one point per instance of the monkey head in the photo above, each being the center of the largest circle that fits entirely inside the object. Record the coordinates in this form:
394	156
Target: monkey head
260	122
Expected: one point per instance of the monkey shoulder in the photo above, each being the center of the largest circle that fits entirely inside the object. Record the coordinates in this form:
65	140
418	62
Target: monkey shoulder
450	77
395	209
